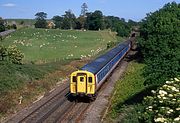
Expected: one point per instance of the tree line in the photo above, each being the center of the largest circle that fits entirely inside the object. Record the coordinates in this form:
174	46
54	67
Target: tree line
86	21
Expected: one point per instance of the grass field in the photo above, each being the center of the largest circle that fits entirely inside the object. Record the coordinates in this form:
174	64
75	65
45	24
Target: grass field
126	89
49	45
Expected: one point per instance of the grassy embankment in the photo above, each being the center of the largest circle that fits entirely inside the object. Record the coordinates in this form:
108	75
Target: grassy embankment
47	57
127	94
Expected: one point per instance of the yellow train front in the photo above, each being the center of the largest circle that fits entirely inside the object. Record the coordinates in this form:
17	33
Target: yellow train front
82	83
87	80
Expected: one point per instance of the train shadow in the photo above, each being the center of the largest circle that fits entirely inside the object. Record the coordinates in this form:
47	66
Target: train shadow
78	99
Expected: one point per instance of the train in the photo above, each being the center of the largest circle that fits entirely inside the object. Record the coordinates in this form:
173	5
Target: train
87	80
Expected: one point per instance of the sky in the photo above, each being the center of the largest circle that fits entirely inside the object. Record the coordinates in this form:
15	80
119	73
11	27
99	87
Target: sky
128	9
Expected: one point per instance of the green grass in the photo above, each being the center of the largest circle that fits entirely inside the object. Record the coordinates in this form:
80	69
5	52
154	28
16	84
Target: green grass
12	76
127	88
49	45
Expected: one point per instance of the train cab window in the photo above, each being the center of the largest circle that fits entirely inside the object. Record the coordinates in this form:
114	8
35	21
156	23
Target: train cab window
74	79
81	79
90	79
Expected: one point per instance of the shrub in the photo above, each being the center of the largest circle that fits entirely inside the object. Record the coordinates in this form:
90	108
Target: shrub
160	43
164	105
15	55
11	54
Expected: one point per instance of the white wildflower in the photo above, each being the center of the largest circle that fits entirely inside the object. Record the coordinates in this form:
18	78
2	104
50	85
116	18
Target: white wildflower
176	79
160	119
168	82
159	96
171	110
177	109
164	98
177	119
162	92
150	107
170	95
165	85
153	91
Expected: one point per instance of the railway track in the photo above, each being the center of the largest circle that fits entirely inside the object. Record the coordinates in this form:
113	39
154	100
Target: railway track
43	108
59	107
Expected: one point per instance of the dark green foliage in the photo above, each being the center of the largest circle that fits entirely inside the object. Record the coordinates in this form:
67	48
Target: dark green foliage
41	16
41	24
111	44
132	23
95	20
14	26
119	25
57	21
69	20
2	26
40	20
160	44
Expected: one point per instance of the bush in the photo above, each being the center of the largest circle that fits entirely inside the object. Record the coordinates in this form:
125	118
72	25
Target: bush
11	54
160	43
41	24
111	44
164	105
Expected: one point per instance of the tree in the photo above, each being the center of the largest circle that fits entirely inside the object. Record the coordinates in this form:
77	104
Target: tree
14	26
132	23
80	22
117	24
22	22
84	9
69	20
41	16
40	20
2	26
57	21
95	20
160	43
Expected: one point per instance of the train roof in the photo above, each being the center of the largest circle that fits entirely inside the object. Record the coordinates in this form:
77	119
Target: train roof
95	65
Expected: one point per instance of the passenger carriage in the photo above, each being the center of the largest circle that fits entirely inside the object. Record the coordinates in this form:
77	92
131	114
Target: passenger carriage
90	77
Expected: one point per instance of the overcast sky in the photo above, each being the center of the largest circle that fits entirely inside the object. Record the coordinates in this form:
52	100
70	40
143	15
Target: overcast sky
128	9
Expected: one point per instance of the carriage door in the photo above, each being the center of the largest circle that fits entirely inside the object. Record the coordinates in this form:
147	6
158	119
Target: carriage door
81	85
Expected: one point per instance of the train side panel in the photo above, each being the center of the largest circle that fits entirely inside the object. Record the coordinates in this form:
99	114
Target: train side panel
109	67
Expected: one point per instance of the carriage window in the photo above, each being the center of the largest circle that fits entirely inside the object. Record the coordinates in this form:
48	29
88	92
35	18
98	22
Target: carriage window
90	79
81	79
74	79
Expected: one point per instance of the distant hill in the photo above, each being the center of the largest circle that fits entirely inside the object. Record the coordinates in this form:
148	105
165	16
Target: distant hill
27	22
